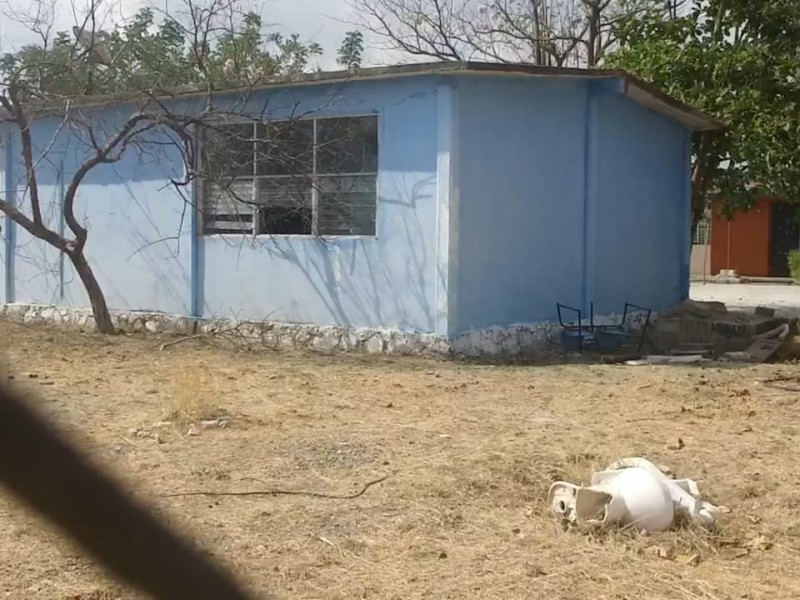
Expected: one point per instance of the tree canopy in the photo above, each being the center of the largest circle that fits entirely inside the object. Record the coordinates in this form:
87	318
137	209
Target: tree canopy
150	53
738	60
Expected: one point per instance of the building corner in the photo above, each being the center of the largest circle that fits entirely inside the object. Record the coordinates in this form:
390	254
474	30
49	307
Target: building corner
9	227
446	296
686	206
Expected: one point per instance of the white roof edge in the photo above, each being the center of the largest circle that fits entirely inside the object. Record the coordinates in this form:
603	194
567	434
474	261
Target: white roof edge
695	122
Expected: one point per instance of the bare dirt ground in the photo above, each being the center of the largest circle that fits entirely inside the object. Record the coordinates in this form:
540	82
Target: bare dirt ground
470	452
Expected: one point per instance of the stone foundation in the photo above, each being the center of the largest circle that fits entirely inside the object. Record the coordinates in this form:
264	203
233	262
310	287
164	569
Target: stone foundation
513	341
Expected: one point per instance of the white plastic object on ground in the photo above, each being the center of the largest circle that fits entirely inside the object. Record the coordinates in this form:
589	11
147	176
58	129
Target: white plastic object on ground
632	492
658	359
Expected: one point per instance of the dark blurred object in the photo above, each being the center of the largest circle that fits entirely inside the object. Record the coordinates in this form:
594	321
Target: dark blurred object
48	473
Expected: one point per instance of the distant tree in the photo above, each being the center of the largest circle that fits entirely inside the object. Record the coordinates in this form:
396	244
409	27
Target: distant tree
351	51
737	60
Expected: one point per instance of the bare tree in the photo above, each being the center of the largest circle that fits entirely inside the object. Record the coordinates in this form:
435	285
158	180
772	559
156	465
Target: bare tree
541	32
216	47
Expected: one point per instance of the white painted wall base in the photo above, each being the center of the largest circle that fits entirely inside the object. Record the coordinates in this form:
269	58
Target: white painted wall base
514	341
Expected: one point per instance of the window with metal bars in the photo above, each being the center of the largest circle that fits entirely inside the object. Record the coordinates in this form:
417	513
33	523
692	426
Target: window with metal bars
702	233
302	177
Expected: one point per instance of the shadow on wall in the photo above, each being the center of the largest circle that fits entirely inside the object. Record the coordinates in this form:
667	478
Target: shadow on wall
386	281
139	234
141	239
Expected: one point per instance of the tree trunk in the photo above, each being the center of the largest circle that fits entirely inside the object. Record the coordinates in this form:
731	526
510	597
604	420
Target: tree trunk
538	56
102	317
701	178
699	204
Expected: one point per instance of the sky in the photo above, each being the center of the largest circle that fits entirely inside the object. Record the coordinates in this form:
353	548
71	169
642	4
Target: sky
321	21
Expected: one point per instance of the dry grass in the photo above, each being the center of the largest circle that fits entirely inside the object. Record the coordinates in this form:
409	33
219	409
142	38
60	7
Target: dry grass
470	451
194	394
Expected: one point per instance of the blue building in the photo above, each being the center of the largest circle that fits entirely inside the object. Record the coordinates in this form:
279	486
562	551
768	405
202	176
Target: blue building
482	195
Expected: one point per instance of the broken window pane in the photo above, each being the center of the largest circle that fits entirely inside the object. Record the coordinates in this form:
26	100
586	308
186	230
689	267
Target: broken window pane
285	206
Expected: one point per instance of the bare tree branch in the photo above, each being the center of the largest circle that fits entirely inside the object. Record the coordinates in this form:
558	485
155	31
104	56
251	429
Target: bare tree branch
543	32
217	49
36	229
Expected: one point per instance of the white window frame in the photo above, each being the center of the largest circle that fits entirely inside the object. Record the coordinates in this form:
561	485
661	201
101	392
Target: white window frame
314	178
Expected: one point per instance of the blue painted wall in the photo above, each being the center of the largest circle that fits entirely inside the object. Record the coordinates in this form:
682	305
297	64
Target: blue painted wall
37	266
6	152
385	281
639	222
520	229
140	229
138	243
567	192
497	198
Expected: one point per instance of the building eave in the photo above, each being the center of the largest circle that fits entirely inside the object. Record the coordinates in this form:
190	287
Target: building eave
638	90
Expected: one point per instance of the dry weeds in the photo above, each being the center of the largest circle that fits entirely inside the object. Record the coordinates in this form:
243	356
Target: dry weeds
194	395
470	451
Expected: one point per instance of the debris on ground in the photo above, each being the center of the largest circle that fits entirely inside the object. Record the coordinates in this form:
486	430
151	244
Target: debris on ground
764	345
632	492
697	332
692	332
671	359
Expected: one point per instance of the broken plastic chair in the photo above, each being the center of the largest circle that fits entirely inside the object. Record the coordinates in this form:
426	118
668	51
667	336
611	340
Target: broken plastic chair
632	492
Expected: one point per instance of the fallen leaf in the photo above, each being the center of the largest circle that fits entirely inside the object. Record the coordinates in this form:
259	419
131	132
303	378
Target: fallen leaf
691	560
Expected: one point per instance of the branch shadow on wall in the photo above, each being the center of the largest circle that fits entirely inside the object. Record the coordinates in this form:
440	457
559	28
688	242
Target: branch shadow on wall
387	281
139	230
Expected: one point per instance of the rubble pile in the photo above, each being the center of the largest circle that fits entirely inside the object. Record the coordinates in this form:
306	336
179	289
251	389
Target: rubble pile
710	330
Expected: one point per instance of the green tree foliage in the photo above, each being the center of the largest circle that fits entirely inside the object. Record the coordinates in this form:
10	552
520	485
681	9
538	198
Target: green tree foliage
351	51
738	60
152	54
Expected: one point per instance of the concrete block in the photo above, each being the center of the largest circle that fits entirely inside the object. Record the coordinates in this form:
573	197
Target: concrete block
763	311
705	310
730	329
